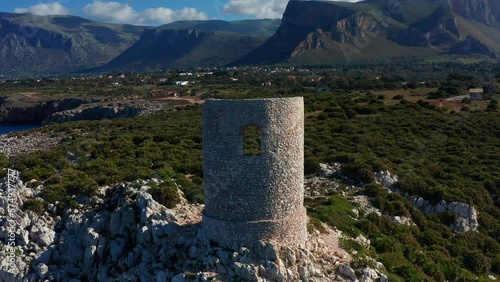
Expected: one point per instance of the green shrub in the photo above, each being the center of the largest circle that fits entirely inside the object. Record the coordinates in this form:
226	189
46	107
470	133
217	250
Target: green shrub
466	100
311	166
35	205
166	194
477	262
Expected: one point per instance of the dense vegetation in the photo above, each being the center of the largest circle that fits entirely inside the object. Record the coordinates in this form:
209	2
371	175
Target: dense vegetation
438	154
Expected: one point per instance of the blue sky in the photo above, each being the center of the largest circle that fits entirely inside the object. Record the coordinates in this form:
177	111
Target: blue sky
151	12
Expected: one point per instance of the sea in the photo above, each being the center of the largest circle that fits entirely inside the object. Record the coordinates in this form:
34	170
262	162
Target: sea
8	128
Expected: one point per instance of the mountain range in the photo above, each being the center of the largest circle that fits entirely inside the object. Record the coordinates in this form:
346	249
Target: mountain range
310	33
54	45
315	32
193	43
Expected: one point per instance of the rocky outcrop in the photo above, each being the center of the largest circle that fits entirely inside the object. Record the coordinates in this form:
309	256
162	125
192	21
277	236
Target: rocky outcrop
112	110
357	26
466	214
43	38
19	109
32	109
484	11
300	19
95	112
314	41
122	234
437	29
471	46
411	37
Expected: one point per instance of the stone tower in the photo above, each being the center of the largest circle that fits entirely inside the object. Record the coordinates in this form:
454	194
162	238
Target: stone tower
256	194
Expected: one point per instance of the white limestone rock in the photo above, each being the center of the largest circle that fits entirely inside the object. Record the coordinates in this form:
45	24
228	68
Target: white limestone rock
42	270
347	271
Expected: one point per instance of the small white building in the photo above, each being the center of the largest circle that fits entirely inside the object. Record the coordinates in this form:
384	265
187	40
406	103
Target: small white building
182	83
476	94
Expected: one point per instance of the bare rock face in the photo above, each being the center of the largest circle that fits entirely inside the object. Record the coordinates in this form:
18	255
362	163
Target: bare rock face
300	19
31	44
314	41
484	11
411	37
470	46
24	110
467	215
329	25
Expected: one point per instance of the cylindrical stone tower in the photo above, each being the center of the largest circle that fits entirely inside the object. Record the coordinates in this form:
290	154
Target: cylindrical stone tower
256	194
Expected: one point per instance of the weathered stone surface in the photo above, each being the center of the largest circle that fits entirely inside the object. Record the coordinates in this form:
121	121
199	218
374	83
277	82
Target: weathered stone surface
253	197
347	271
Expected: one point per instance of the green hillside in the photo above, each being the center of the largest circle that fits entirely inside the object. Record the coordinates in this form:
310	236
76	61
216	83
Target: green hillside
162	49
193	43
44	45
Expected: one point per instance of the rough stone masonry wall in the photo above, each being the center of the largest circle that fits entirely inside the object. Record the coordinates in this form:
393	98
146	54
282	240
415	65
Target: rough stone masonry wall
254	197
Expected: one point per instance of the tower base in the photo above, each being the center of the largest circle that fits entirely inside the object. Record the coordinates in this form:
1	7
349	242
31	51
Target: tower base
291	230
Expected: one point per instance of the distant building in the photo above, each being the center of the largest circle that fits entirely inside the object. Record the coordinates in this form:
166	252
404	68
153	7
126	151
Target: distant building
181	83
476	94
316	79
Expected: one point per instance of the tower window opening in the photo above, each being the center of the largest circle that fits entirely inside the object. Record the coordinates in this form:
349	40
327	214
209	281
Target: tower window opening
252	136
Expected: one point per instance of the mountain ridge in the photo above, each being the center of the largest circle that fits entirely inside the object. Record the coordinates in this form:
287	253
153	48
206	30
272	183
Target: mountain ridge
310	32
337	31
192	43
44	45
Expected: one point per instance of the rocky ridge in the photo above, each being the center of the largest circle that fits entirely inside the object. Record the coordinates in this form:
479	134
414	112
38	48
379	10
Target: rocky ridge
41	45
343	29
467	215
122	234
110	110
30	108
472	45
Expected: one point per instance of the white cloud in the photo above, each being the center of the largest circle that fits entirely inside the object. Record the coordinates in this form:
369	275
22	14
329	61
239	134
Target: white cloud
54	8
261	8
165	15
124	13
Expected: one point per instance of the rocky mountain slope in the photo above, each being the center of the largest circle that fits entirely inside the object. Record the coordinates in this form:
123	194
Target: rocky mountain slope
317	31
311	32
45	45
193	43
